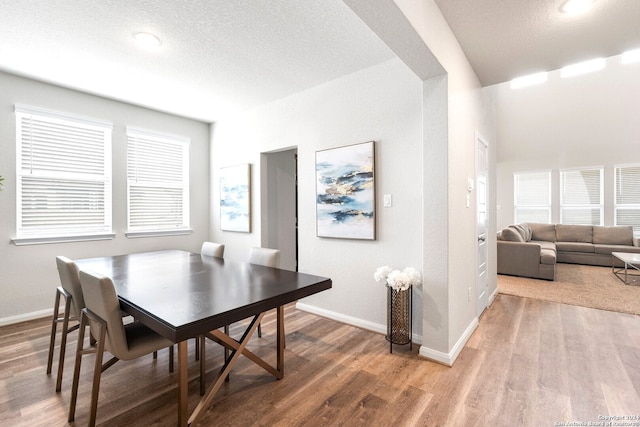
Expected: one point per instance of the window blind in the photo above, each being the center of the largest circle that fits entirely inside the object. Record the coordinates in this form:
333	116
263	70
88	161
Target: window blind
157	181
581	200
532	197
627	196
63	175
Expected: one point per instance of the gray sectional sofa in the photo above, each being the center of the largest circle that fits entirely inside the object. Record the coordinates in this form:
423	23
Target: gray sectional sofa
532	250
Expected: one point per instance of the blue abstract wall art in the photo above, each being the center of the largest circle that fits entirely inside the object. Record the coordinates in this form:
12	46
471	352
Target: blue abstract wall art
345	192
235	198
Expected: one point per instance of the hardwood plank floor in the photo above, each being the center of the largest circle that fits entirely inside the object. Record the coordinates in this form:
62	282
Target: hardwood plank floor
529	363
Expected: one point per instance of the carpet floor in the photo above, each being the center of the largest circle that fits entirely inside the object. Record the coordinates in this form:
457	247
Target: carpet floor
582	285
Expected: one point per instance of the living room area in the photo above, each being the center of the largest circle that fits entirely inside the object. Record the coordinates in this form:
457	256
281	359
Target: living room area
568	156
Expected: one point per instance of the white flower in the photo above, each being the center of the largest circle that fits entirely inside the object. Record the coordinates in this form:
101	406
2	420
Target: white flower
415	278
396	279
381	274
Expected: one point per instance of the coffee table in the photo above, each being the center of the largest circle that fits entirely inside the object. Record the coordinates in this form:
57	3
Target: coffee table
631	261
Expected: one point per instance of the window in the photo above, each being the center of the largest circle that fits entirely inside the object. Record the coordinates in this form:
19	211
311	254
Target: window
627	197
157	183
63	175
532	196
581	200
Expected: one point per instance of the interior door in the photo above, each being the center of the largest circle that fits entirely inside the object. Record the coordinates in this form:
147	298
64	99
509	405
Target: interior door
481	223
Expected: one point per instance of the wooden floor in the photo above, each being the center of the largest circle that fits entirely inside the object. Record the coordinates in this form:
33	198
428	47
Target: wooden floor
529	363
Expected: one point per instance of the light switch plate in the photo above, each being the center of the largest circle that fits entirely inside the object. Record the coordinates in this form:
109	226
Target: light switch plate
387	200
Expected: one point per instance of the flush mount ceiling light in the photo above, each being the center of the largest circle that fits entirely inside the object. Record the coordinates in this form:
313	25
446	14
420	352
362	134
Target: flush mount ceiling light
529	80
576	7
583	67
631	56
147	40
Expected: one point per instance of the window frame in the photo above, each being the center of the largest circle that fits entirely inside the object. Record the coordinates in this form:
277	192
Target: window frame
100	175
162	138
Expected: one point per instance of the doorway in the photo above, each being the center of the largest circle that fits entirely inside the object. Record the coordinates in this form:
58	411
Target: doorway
279	205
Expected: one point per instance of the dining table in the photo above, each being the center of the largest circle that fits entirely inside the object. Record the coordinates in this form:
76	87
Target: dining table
182	295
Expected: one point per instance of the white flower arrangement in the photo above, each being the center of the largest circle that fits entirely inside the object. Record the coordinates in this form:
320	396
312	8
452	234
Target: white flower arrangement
396	279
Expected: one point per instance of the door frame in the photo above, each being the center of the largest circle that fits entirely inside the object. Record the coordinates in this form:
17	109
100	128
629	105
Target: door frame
482	295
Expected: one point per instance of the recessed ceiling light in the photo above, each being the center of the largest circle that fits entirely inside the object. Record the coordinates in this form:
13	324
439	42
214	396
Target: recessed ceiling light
576	7
147	40
631	56
529	80
583	67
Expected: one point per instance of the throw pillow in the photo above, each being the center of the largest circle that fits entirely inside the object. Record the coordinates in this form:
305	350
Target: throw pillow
510	234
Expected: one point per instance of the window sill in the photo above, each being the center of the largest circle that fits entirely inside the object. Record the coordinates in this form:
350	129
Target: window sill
60	239
157	233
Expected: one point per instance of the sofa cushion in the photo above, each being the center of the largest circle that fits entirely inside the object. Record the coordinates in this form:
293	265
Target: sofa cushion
607	249
510	234
619	235
545	245
547	256
546	232
574	233
524	231
575	247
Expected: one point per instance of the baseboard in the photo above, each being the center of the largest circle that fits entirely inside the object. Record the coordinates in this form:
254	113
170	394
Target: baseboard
448	359
25	317
350	320
492	297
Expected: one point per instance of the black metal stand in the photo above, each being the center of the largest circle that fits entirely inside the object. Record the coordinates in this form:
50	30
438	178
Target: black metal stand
399	317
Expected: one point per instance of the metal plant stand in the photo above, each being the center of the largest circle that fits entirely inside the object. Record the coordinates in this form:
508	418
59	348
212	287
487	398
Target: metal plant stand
399	317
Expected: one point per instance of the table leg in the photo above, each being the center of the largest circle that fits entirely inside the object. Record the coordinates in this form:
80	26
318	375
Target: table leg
183	375
280	341
235	355
625	273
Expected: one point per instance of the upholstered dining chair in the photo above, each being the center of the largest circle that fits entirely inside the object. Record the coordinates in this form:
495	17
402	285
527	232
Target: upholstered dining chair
212	249
124	341
267	257
215	250
70	290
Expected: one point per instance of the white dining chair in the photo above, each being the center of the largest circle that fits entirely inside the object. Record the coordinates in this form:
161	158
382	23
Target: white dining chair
267	257
215	250
264	256
70	290
212	249
124	341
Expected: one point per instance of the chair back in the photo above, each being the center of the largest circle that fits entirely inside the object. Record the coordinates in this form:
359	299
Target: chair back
264	256
212	249
100	297
70	281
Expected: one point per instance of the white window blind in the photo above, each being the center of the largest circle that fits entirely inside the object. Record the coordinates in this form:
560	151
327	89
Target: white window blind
158	182
627	197
532	197
63	176
581	199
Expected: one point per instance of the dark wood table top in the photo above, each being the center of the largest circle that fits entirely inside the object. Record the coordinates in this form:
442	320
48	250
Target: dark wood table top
182	295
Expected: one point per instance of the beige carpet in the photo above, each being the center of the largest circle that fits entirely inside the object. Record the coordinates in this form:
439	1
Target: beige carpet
583	285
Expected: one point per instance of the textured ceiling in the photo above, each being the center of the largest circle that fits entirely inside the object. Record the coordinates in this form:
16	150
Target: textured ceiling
504	39
216	56
219	56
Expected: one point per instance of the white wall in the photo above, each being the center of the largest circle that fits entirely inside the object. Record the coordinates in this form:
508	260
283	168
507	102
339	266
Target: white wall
468	110
28	276
588	120
382	103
